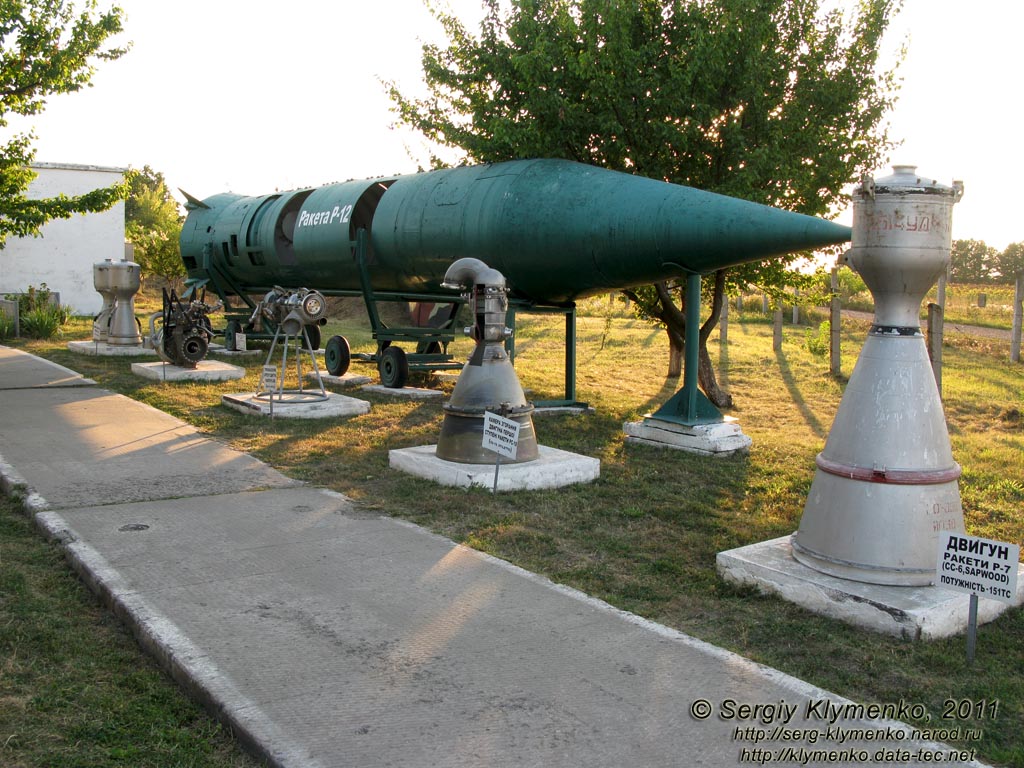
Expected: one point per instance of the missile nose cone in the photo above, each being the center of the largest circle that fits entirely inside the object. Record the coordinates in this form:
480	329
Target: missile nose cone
720	232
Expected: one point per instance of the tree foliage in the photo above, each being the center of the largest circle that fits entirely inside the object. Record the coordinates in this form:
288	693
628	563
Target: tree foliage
974	261
778	101
1009	264
47	47
153	224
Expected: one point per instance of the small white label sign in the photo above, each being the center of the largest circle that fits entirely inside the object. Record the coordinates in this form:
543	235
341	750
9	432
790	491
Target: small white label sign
501	435
978	566
268	379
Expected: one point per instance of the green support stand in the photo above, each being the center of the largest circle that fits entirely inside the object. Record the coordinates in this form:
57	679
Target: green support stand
689	406
569	312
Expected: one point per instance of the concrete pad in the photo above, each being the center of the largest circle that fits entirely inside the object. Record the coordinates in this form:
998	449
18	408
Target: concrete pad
102	349
345	380
918	613
553	469
575	410
77	446
334	406
20	370
220	349
205	370
410	393
330	638
721	439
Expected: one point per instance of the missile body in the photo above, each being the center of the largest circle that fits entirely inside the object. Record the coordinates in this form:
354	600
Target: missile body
556	229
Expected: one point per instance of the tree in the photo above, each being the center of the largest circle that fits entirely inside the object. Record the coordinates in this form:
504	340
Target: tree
153	224
777	102
46	47
1010	263
972	261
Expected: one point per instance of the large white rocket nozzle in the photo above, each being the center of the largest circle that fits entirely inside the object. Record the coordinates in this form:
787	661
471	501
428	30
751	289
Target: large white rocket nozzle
885	486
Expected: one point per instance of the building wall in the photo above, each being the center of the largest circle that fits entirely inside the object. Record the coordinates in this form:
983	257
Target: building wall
64	255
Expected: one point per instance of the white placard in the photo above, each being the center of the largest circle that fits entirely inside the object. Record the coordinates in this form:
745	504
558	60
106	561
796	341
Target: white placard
268	378
978	566
501	435
240	342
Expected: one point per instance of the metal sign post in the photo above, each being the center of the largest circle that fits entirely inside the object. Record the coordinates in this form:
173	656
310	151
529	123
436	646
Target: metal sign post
268	383
978	567
501	435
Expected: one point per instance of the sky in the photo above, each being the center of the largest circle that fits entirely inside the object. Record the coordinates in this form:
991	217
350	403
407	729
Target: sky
232	95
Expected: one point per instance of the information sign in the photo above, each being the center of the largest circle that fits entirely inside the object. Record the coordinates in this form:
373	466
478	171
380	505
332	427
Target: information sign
268	378
501	435
978	566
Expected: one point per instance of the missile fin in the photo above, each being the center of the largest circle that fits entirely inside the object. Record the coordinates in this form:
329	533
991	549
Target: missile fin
192	202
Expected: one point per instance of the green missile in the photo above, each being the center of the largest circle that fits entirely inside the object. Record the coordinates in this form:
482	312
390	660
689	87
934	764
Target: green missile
556	229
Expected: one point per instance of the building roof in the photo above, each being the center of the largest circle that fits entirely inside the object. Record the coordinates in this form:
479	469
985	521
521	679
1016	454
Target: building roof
79	167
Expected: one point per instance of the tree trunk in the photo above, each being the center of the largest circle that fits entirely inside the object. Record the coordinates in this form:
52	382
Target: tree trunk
709	383
675	356
705	370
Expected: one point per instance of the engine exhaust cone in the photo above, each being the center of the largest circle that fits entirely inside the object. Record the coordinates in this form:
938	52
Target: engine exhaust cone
886	486
488	381
125	281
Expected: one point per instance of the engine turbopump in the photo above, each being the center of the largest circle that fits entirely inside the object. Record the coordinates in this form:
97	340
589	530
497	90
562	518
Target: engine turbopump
291	311
487	382
183	338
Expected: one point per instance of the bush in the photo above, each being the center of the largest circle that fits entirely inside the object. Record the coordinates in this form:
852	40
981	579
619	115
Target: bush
40	316
43	322
6	326
820	343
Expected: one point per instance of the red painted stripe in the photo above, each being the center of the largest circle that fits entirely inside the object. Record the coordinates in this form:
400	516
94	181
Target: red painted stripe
889	476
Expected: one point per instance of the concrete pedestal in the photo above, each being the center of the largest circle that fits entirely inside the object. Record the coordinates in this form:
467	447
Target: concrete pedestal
345	380
553	469
409	393
574	410
220	349
720	439
334	405
205	370
102	349
918	613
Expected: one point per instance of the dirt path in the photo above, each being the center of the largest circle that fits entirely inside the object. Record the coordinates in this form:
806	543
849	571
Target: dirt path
968	330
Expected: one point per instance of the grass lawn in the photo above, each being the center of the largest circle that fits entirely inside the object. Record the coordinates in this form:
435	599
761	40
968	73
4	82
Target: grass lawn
645	535
75	689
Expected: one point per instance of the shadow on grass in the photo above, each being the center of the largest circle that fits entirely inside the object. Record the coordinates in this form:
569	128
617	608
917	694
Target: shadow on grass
723	365
798	399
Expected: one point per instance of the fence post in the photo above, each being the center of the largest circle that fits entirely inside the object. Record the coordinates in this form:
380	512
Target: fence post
796	308
1018	310
835	326
723	323
10	308
764	303
935	342
777	329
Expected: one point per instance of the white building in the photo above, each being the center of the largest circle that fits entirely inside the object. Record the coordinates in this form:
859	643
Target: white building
64	255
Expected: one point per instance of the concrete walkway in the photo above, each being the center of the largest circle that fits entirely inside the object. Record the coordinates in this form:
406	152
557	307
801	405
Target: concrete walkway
325	636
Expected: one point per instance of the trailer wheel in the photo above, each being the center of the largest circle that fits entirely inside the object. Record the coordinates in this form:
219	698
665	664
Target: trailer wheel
234	327
337	355
393	368
313	332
